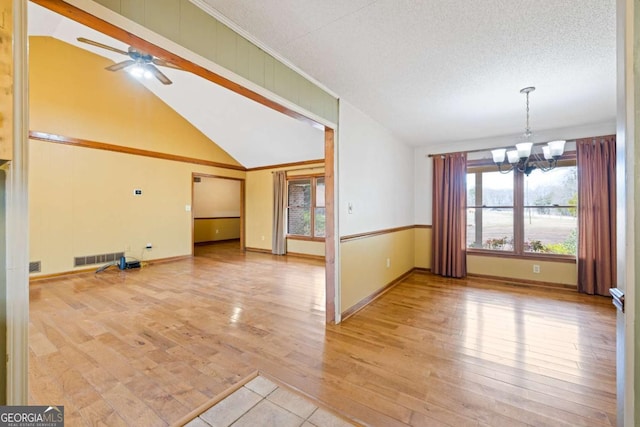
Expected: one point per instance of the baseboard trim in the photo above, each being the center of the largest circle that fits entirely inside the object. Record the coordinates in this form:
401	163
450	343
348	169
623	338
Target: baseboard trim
422	270
62	274
309	256
377	294
169	259
258	250
294	254
93	269
213	242
522	282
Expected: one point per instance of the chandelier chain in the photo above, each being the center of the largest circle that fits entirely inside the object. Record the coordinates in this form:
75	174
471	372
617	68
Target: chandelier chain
527	129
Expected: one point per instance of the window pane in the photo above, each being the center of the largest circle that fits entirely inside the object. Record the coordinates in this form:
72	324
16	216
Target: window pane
494	189
497	189
299	221
320	192
299	193
299	211
550	230
319	223
555	187
471	189
490	228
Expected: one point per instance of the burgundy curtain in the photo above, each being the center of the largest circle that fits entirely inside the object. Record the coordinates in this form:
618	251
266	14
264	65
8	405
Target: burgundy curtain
449	223
596	214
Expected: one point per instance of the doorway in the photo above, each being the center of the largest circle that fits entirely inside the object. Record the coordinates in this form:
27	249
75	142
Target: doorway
217	210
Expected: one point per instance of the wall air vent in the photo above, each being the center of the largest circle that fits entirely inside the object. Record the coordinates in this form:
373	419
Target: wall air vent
81	261
34	267
197	179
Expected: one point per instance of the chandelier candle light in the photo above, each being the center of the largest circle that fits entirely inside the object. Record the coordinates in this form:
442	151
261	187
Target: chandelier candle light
522	159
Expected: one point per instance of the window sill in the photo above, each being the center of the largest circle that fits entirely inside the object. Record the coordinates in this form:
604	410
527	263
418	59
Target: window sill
306	238
569	259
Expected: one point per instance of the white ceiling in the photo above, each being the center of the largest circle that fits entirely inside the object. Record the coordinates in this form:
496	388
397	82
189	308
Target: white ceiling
253	134
436	71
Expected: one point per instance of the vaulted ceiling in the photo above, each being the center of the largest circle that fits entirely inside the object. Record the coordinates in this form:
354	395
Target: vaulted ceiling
251	133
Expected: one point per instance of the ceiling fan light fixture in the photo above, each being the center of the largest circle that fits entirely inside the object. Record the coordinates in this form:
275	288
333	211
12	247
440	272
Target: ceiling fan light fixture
137	70
140	64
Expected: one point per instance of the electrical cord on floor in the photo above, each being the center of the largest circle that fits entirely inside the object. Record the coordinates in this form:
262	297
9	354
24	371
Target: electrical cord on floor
117	264
104	267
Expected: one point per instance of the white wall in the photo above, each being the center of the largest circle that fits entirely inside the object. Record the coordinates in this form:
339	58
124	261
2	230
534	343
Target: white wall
376	175
423	165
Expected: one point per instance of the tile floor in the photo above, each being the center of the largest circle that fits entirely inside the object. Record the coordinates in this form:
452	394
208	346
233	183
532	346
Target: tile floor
261	402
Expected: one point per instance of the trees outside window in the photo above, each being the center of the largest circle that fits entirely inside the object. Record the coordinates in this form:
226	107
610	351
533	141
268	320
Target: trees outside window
306	207
520	214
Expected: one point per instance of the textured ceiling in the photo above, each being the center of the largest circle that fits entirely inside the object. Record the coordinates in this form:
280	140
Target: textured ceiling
253	134
435	71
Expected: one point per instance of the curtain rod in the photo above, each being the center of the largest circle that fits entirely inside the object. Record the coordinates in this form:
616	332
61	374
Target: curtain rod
479	150
300	168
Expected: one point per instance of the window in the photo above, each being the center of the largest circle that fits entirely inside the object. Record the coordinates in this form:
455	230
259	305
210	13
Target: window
520	214
305	207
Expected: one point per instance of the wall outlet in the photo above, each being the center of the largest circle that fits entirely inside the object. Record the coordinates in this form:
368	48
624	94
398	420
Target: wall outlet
350	208
149	246
262	237
217	231
388	262
536	268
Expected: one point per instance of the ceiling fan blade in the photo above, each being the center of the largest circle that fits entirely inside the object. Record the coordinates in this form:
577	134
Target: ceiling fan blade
103	46
120	65
164	63
158	74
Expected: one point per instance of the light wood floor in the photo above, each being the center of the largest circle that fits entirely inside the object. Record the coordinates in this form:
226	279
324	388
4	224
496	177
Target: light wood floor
147	347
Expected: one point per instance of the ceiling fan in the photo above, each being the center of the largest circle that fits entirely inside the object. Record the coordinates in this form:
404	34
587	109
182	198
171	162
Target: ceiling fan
140	62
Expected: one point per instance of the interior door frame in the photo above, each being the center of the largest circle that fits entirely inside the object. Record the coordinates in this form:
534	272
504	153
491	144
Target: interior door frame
628	224
242	205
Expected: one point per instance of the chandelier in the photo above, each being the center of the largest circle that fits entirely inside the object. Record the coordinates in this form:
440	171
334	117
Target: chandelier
522	159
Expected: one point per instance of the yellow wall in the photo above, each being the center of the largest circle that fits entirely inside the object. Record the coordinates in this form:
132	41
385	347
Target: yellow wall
215	229
258	209
72	95
216	197
82	203
81	199
6	82
305	247
520	269
550	272
422	250
364	268
259	212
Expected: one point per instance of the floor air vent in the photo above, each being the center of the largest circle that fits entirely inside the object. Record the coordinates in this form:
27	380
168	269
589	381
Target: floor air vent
80	261
34	267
